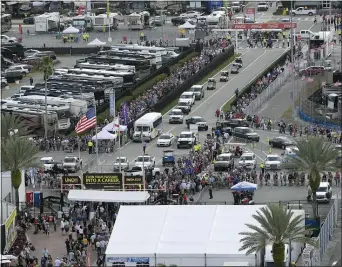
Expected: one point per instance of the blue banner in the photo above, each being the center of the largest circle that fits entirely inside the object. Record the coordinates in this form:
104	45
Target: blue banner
125	113
111	105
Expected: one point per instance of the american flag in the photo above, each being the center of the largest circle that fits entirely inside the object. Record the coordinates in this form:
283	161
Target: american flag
116	124
303	78
87	121
310	80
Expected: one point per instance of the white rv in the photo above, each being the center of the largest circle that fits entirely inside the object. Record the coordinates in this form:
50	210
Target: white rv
115	67
62	111
77	106
138	21
46	22
103	21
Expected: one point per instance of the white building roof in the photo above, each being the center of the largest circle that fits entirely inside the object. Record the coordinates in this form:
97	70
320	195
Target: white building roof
179	230
108	196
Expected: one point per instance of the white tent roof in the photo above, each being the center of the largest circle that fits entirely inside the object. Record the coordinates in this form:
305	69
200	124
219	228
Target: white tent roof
208	230
104	135
110	127
71	30
187	25
96	42
108	196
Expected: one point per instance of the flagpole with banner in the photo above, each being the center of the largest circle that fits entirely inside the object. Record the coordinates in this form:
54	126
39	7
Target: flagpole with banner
97	145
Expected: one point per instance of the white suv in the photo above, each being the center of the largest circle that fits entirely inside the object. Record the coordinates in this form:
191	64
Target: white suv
248	160
186	139
176	116
7	39
188	96
262	6
324	192
22	68
273	162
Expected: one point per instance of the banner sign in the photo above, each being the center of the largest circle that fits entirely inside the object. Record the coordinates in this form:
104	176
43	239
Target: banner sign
71	180
250	12
264	26
133	180
111	104
102	180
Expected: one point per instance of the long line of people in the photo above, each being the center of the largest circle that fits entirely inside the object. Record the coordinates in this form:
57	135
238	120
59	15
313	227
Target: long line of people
177	77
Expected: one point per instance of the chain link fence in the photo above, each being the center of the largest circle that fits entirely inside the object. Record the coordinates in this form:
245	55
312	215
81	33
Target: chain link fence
268	93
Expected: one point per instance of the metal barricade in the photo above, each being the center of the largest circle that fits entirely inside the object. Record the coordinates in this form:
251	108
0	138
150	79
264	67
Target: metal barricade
268	93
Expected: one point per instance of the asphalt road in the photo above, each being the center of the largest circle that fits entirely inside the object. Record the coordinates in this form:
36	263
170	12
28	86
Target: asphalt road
255	61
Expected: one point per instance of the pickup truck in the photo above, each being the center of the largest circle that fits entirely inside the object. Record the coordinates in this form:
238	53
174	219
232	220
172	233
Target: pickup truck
303	11
138	171
305	34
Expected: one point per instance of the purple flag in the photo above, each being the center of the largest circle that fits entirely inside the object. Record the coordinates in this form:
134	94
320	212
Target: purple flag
125	113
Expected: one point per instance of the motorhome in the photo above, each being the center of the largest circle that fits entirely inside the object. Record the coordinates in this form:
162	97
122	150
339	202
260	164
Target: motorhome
47	22
128	77
155	58
104	21
62	110
76	106
217	20
33	118
138	21
108	67
112	79
83	22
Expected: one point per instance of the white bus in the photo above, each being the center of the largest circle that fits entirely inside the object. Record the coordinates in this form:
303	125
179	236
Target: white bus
148	127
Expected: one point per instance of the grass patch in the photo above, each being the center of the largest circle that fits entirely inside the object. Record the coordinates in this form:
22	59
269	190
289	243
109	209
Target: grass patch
169	106
287	115
222	66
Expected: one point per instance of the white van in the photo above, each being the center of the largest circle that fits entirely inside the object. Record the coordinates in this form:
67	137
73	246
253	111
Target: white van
148	127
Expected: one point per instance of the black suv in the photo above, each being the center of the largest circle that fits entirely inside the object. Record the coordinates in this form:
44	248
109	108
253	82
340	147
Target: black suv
178	21
228	126
246	133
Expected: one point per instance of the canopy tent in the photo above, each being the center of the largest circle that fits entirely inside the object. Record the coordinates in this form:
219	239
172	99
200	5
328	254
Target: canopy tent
96	42
216	244
244	186
104	135
70	30
108	196
110	127
187	25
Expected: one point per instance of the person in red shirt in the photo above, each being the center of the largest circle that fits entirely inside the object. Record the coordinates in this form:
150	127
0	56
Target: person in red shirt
337	178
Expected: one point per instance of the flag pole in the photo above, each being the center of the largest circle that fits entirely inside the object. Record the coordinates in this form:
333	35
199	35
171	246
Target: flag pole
97	145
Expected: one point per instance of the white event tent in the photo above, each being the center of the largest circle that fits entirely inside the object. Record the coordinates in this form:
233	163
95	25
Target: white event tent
111	128
187	25
191	235
109	196
104	135
96	42
71	30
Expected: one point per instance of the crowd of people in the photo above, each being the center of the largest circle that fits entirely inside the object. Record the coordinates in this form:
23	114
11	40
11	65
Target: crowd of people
146	101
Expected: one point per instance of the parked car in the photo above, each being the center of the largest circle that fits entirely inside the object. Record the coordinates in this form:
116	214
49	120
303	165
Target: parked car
313	70
191	14
29	20
23	69
178	21
7	39
281	142
3	82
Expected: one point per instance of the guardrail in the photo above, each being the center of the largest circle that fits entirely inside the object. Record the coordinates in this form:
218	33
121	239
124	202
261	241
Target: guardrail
268	93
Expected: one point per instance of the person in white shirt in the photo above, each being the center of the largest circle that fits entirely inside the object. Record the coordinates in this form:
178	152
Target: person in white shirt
57	262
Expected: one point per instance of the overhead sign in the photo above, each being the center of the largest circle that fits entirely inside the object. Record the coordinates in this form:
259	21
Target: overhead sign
250	12
102	180
71	180
264	26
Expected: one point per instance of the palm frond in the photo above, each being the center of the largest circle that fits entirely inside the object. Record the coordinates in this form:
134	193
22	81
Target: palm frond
10	122
18	153
276	225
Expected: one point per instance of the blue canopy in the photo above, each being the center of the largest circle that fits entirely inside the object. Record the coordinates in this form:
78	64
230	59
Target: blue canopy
244	186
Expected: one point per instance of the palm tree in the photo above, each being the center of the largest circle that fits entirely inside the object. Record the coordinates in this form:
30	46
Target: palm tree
277	227
18	153
9	123
48	70
314	156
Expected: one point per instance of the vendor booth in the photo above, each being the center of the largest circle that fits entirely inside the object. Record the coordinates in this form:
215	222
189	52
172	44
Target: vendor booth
243	193
105	141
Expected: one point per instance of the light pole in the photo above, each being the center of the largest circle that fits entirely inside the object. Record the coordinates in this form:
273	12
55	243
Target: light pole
292	65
